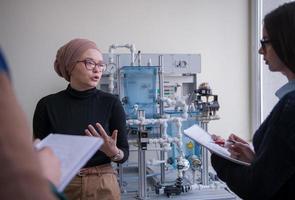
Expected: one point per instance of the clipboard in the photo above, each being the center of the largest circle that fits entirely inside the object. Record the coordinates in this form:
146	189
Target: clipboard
73	152
202	137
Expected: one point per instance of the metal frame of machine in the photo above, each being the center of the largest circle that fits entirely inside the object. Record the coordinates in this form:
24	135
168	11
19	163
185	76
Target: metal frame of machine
169	101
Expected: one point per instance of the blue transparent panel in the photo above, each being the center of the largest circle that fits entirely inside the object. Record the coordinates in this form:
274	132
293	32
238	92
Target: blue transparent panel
139	88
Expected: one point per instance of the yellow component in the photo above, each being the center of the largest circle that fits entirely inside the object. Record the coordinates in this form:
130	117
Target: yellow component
190	145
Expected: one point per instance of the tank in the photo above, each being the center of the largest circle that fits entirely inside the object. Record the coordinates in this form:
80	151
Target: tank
139	90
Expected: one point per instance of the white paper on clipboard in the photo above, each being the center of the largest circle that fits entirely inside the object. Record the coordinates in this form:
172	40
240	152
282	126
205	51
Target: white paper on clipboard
202	137
73	152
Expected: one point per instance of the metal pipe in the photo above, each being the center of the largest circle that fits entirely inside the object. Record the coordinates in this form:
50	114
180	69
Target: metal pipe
204	171
161	90
118	75
161	84
139	58
121	178
142	185
142	175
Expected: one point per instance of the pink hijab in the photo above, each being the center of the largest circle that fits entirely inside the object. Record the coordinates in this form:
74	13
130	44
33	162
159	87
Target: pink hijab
68	55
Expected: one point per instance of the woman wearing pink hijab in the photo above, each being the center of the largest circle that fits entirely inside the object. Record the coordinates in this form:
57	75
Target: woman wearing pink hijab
81	109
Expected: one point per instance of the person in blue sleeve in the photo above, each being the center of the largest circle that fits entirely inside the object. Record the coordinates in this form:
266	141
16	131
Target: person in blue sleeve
25	173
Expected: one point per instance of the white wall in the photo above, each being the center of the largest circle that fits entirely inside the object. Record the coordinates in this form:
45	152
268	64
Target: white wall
32	31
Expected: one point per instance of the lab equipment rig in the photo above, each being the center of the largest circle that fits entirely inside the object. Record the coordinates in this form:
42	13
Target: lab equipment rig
161	98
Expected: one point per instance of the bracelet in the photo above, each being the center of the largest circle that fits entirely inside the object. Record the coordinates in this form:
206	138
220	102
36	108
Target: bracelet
117	156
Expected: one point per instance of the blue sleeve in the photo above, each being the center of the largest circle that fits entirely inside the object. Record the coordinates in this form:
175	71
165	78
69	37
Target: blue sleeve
3	64
57	194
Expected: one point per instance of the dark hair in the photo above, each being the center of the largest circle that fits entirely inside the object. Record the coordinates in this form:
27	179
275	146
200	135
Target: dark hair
280	26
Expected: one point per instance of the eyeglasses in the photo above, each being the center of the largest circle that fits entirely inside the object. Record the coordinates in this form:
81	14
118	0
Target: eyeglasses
263	42
90	64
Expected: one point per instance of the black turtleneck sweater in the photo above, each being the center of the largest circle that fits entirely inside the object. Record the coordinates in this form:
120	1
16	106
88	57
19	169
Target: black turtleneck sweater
71	111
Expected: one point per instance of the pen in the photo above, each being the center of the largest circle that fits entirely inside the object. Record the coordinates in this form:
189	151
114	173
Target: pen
219	142
224	143
230	141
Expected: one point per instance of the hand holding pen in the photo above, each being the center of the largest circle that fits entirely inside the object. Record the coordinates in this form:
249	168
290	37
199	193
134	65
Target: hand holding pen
239	148
222	142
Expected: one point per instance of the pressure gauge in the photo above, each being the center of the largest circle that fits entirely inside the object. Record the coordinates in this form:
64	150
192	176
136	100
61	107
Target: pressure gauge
111	68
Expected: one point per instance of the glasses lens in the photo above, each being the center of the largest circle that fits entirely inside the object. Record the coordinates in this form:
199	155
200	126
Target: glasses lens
102	66
263	42
89	64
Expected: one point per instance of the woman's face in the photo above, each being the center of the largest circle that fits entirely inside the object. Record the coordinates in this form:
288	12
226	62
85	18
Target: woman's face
270	56
83	78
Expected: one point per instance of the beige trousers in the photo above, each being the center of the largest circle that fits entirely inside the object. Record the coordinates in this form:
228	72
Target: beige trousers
94	183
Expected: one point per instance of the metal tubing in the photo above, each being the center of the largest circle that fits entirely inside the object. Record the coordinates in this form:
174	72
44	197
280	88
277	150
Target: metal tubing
142	175
118	75
161	90
121	178
205	171
142	182
161	84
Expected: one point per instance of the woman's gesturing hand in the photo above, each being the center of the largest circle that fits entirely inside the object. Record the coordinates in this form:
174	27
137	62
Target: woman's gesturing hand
109	146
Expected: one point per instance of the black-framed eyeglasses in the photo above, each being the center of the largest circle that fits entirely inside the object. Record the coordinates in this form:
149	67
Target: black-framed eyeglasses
264	41
90	64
